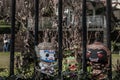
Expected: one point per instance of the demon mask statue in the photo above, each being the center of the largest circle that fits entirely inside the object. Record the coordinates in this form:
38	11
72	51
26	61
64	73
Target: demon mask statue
98	58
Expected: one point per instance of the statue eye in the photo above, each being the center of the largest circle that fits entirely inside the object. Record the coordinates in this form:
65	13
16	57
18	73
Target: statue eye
88	54
76	64
100	55
69	64
54	55
47	55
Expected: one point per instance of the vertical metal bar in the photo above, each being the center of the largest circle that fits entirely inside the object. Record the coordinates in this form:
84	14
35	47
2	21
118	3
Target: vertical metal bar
108	22
13	4
36	21
36	8
84	36
60	39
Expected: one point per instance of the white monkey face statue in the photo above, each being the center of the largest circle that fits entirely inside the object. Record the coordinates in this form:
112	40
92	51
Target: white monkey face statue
47	55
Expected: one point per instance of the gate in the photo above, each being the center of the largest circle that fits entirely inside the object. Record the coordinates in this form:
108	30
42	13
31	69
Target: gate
60	37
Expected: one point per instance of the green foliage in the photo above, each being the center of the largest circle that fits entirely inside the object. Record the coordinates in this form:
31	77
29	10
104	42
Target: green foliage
2	22
27	73
48	11
47	24
4	60
5	30
4	72
116	71
4	26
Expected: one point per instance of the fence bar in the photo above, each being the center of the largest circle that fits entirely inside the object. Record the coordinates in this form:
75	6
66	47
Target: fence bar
13	10
60	39
36	21
84	36
108	24
36	10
